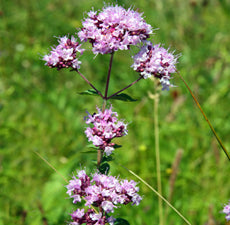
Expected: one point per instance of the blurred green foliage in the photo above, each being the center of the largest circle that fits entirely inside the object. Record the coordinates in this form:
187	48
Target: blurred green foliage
41	111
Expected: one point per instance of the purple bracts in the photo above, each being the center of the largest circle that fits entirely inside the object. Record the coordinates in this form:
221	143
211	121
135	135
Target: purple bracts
102	191
114	28
154	60
226	210
65	54
105	127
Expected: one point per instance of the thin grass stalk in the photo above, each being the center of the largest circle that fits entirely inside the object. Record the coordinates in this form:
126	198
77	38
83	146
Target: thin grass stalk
173	177
210	125
159	195
158	162
52	167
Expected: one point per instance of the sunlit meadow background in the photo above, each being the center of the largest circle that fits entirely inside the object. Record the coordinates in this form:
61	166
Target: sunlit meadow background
41	111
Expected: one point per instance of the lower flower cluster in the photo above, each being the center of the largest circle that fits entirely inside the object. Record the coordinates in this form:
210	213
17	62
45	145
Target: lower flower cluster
90	217
226	210
101	191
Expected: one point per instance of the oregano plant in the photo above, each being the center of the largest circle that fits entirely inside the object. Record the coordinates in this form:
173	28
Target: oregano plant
111	29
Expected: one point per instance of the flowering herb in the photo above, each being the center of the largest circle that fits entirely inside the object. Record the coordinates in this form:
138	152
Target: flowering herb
65	54
102	191
114	28
109	30
226	210
105	127
154	60
90	217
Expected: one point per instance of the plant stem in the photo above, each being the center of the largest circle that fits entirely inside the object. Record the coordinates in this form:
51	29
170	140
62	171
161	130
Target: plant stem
158	163
99	151
99	157
109	73
210	125
104	105
134	82
89	83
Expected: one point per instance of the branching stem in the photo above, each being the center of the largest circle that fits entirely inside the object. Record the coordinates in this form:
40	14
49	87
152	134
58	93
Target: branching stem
134	82
108	77
89	83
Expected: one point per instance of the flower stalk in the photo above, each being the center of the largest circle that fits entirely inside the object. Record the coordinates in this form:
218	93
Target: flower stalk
108	77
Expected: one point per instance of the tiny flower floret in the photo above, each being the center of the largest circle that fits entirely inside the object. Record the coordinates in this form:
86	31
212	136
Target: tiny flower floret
64	55
154	60
226	210
101	191
104	127
114	28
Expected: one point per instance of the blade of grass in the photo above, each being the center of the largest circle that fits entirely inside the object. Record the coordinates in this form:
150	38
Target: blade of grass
157	193
59	174
50	166
210	125
156	98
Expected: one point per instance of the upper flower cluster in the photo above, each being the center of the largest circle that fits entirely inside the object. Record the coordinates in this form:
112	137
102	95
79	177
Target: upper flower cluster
114	28
101	191
65	54
157	61
226	210
105	127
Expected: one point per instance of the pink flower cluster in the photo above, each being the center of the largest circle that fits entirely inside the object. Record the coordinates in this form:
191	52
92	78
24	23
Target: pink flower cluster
157	61
65	54
226	210
114	28
102	191
105	127
90	217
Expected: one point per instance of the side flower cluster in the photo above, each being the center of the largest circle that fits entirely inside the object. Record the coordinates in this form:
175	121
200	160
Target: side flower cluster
226	210
114	28
64	55
102	191
154	60
105	127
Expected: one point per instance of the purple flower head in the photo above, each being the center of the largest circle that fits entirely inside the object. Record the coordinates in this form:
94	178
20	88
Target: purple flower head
76	187
90	217
226	210
114	28
154	60
102	191
104	127
65	54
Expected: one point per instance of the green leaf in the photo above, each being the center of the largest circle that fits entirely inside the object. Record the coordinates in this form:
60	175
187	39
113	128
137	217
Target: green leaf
104	168
88	92
89	152
92	146
107	158
117	146
120	221
124	97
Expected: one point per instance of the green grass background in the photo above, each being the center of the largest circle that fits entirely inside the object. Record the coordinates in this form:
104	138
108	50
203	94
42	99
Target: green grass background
41	111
